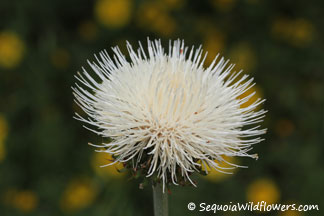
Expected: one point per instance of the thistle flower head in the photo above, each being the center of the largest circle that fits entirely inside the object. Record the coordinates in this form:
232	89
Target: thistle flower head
166	113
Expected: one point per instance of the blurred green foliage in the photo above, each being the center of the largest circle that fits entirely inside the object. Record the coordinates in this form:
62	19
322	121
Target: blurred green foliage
46	166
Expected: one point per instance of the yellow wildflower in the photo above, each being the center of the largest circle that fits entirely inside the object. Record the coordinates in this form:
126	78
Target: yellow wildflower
258	94
155	17
243	56
101	158
263	190
302	33
3	135
213	43
78	194
113	13
298	32
26	200
11	50
215	176
291	213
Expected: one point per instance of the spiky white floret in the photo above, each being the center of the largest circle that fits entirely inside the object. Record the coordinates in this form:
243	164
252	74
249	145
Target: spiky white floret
170	104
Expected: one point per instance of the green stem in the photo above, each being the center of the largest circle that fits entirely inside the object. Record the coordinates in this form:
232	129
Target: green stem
160	200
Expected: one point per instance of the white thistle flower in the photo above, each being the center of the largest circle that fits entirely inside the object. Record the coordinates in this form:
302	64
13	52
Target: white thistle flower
169	107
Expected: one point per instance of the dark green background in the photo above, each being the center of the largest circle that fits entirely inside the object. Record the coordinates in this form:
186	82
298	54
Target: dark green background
46	147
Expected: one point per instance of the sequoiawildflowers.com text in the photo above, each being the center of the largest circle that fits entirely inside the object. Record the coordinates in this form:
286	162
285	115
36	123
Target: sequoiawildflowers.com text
250	206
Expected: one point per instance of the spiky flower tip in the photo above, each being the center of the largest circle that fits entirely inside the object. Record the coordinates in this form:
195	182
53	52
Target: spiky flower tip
166	114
